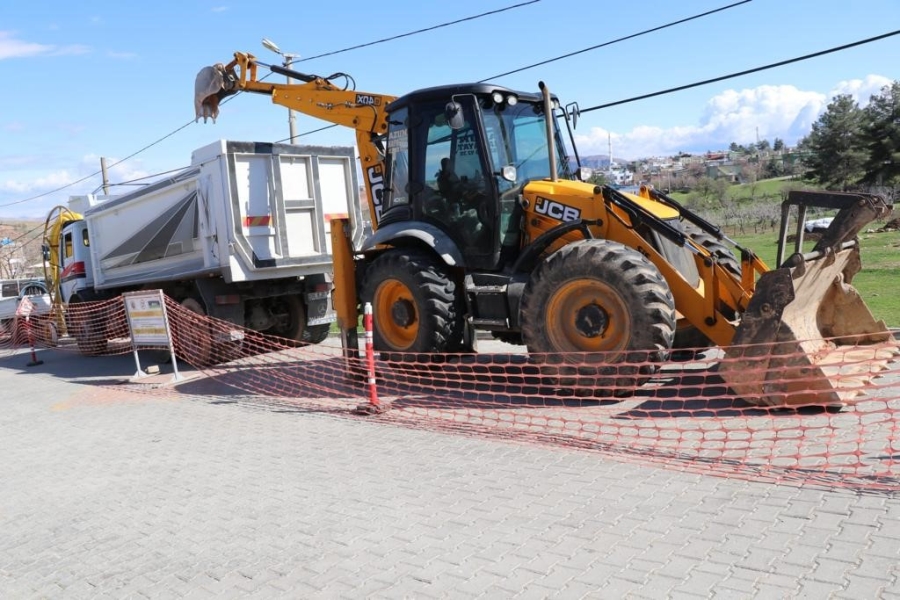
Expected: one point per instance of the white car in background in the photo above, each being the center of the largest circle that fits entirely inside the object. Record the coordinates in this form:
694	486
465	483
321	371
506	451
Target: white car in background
36	293
818	225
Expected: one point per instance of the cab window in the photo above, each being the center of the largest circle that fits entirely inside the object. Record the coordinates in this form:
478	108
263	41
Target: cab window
457	192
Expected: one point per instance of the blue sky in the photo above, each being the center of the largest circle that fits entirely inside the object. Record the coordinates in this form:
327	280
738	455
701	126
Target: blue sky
101	78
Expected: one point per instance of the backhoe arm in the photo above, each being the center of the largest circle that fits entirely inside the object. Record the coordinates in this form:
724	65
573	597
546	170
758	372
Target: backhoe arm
315	96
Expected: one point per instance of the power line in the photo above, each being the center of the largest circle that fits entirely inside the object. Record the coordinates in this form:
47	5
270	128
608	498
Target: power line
402	35
741	73
95	173
310	132
418	31
26	234
616	41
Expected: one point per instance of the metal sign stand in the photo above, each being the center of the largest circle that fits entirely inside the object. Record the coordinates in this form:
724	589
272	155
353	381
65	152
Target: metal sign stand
148	322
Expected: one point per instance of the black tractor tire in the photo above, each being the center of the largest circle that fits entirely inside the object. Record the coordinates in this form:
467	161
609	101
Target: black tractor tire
316	334
415	304
686	335
599	316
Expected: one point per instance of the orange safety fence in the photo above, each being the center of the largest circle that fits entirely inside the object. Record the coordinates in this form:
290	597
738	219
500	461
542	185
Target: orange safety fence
678	413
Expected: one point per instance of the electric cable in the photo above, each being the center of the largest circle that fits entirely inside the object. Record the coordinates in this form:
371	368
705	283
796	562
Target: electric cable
780	63
402	35
424	30
617	40
95	173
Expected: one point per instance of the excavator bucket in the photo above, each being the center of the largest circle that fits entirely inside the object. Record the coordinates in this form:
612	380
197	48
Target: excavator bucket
807	337
207	85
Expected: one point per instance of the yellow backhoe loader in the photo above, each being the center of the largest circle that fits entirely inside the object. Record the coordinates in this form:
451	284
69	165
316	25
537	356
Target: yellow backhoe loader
482	221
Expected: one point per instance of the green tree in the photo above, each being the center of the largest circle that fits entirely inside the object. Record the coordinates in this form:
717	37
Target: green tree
773	168
598	178
835	153
778	145
881	137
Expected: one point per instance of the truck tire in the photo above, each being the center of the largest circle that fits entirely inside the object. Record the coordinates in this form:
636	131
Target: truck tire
686	335
86	323
414	303
316	334
291	316
193	339
599	316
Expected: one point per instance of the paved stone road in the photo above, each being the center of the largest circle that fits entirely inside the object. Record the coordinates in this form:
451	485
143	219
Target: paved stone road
108	493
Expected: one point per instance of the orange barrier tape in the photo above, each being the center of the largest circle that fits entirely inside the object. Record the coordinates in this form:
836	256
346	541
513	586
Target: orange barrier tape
678	414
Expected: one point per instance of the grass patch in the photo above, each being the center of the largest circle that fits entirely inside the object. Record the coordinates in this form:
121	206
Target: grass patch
878	280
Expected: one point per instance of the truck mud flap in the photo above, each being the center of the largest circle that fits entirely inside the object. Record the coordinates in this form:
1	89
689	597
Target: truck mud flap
807	337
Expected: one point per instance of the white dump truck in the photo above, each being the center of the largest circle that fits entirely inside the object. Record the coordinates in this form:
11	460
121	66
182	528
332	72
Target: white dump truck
241	235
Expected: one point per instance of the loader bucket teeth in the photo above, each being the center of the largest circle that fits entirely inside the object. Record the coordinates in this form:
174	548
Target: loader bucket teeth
807	337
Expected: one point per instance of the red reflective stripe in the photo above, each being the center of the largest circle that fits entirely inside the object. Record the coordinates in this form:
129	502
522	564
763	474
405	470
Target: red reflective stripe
73	270
258	221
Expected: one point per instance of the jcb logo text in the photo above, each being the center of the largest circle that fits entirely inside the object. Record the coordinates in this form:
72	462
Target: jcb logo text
555	210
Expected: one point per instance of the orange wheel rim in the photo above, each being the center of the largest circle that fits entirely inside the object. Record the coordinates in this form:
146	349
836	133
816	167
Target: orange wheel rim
587	316
395	314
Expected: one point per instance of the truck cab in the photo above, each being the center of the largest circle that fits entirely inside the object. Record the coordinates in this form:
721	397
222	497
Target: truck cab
76	275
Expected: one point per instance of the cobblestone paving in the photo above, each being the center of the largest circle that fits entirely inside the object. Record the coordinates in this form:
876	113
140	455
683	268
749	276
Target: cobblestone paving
107	493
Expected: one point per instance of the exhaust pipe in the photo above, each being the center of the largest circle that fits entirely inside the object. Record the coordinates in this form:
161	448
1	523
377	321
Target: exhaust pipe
548	120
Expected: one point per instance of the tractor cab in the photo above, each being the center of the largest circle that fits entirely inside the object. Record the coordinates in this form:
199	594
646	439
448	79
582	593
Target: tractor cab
458	158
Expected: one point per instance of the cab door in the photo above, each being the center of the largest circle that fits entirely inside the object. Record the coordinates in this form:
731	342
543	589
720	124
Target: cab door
456	189
74	259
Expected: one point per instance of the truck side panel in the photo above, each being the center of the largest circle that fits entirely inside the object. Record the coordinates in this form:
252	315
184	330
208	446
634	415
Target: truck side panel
150	235
244	211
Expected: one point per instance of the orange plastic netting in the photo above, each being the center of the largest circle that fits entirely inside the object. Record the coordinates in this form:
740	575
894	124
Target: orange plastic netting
680	413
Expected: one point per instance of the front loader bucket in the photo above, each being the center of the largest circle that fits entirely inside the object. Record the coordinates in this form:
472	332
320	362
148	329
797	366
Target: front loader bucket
807	337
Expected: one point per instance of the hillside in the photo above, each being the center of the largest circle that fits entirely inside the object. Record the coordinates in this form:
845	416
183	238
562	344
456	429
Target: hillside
20	248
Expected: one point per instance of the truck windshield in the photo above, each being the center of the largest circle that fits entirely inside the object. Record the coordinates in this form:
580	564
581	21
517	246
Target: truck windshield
517	136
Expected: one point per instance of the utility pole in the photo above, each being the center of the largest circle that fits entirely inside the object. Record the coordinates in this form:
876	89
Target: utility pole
105	175
287	61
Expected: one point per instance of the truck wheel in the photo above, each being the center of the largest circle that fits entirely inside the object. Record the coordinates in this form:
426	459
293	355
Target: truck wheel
192	338
291	317
600	311
686	335
316	334
414	303
86	323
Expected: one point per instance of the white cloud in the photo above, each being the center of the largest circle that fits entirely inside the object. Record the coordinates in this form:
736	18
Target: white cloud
43	190
46	182
862	89
740	116
12	47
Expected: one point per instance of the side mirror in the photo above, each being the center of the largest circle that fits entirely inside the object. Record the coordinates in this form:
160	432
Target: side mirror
45	252
584	173
454	114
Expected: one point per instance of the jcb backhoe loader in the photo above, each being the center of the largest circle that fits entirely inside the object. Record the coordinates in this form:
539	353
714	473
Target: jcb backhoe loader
482	221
